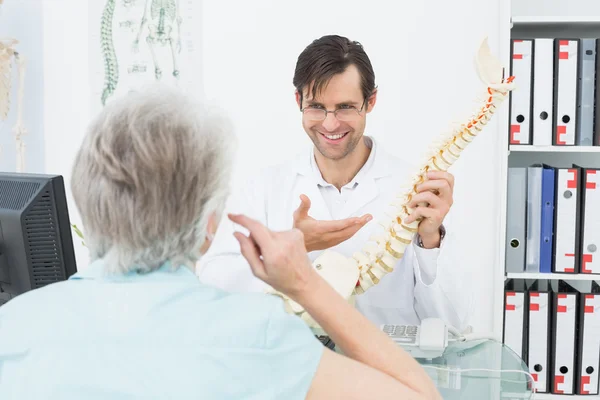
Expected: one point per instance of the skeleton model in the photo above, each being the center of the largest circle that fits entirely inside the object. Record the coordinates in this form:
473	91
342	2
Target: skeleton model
165	17
7	54
353	276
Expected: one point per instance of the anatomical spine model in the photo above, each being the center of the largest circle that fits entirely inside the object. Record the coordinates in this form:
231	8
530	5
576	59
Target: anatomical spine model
165	18
353	276
7	55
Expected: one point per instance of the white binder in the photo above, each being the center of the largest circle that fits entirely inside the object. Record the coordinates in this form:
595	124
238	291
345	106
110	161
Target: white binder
565	91
590	222
520	97
565	329
589	344
566	237
539	321
514	320
543	89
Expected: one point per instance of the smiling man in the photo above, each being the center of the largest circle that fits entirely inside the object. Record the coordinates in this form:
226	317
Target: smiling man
337	191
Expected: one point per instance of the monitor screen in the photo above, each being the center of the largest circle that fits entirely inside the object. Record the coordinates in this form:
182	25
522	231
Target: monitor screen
36	246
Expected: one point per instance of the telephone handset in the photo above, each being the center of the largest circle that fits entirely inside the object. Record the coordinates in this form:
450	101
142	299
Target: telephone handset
428	340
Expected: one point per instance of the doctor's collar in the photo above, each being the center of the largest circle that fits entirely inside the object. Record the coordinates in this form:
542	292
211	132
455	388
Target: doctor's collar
376	165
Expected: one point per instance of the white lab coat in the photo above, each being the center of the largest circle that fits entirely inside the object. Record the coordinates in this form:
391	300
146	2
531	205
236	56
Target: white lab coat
424	283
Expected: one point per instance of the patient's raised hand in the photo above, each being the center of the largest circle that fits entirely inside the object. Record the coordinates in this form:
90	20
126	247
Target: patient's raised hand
277	258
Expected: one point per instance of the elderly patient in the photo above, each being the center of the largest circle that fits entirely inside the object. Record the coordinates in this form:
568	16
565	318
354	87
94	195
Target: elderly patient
150	181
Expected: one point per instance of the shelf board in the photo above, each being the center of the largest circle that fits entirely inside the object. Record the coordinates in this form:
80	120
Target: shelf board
548	396
564	277
554	149
555	19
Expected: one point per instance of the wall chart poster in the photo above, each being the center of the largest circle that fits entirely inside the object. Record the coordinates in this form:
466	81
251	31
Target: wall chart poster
133	42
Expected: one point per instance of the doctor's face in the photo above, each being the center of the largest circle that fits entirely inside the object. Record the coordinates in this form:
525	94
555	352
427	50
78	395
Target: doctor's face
336	133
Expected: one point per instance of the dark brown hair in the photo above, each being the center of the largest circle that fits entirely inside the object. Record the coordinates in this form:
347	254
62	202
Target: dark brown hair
328	56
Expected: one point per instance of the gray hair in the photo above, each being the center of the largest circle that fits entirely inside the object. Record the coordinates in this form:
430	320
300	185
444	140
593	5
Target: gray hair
153	167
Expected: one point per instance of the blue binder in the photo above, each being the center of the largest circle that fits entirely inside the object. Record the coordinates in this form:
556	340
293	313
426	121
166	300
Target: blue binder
547	223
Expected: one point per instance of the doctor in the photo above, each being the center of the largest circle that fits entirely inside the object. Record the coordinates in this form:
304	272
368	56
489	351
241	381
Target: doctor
338	191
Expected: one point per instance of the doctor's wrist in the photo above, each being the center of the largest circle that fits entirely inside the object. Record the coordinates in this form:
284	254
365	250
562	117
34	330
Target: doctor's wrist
433	240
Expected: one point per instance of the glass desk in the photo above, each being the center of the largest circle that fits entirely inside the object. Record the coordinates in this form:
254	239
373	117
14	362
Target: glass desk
472	371
480	378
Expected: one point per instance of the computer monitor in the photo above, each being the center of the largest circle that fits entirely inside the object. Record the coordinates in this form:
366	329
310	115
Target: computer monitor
36	246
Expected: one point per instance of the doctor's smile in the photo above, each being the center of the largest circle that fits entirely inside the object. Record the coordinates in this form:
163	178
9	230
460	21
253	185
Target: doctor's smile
333	138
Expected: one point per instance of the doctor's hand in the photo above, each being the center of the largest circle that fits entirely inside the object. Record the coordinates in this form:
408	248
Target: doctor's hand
437	194
321	235
277	258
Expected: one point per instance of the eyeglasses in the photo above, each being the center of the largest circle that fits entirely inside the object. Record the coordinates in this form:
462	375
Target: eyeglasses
346	113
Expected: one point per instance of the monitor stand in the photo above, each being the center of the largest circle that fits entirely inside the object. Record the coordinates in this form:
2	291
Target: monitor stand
4	275
4	278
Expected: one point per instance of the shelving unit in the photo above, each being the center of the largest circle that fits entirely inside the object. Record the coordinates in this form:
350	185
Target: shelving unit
558	156
553	149
564	277
565	20
546	396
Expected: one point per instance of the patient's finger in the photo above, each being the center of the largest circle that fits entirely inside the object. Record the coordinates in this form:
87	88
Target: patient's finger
250	252
261	234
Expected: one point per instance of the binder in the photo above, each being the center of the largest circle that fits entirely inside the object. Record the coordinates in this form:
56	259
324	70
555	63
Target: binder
597	99
565	329
590	222
566	64
516	219
534	218
520	105
515	318
584	134
543	89
589	342
547	218
566	220
539	312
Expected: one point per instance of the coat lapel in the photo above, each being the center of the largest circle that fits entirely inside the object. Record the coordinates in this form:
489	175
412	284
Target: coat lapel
318	207
365	192
307	185
368	188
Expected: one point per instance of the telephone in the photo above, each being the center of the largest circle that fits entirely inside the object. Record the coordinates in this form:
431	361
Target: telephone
428	340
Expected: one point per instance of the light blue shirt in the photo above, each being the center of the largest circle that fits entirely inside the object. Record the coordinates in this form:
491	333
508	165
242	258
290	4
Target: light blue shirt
162	335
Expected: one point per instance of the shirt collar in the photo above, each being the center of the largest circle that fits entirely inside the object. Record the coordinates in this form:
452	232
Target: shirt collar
97	271
375	167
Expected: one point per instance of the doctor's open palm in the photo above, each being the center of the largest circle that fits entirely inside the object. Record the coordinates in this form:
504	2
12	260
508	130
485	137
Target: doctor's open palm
322	235
277	258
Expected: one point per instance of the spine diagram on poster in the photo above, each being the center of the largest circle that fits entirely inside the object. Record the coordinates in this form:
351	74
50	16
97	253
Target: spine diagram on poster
111	66
139	36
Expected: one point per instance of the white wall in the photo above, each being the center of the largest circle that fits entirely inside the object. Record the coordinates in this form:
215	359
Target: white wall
22	20
66	92
423	59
